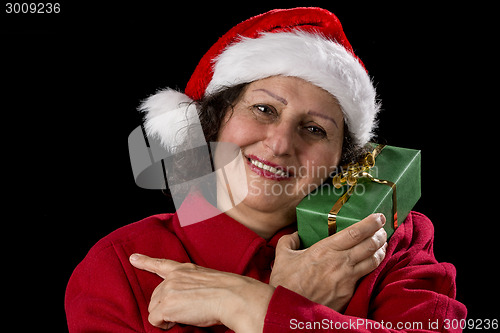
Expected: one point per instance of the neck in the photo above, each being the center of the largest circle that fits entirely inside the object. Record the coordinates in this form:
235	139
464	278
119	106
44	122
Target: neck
264	224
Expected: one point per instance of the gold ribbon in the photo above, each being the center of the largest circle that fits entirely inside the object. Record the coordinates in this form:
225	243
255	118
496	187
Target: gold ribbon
353	172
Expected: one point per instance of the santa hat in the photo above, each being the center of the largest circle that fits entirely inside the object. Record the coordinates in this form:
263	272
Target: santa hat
307	43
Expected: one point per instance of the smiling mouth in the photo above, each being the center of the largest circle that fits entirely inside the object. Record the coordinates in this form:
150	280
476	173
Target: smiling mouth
268	169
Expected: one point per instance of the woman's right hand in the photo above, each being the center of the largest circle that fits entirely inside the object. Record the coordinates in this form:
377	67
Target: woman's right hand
327	272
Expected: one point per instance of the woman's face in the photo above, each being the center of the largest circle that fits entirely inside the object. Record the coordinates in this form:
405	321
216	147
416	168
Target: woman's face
290	133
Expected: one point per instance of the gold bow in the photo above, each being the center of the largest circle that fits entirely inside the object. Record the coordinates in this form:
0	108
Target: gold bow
352	172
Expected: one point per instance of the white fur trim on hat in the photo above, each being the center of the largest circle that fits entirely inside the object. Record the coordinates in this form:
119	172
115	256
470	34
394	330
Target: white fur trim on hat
311	57
172	117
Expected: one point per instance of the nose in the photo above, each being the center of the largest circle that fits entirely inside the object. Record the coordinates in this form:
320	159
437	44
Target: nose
279	139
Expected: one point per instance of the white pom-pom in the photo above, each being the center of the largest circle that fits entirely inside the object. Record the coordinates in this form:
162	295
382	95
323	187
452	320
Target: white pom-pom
172	117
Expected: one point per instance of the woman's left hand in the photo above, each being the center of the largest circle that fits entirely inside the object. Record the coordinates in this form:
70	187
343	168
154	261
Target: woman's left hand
199	296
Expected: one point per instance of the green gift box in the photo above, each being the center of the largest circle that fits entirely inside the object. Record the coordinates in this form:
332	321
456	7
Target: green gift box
386	181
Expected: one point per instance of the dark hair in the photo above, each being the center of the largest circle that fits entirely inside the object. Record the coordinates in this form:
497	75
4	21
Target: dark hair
213	109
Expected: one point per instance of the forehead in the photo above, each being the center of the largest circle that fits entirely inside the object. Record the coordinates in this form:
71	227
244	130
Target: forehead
295	92
293	88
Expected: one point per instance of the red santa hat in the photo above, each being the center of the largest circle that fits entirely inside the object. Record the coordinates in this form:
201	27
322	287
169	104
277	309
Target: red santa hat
308	43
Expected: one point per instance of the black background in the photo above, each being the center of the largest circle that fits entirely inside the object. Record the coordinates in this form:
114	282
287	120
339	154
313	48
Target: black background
71	83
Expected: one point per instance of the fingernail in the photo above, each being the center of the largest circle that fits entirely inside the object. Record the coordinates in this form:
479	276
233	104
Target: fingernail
134	257
381	219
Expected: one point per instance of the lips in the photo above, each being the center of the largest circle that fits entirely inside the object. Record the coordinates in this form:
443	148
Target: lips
268	169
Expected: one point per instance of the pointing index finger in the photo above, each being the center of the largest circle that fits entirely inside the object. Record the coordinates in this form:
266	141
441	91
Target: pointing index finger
160	267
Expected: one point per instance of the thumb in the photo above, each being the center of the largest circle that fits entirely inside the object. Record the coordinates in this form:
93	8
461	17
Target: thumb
289	242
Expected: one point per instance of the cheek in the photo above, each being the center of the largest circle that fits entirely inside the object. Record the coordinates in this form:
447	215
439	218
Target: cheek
240	131
319	164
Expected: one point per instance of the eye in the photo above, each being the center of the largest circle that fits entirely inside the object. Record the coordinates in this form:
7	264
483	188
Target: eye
264	113
316	131
262	108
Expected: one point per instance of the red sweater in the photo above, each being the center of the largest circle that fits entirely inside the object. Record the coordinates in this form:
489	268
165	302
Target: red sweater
409	290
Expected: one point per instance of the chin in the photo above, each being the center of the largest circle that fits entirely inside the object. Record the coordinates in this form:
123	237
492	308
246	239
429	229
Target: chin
267	202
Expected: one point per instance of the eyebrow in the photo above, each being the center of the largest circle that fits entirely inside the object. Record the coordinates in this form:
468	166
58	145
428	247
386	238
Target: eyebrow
276	97
317	114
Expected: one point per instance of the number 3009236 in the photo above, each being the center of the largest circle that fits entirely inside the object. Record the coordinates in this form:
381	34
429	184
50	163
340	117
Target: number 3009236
477	324
32	8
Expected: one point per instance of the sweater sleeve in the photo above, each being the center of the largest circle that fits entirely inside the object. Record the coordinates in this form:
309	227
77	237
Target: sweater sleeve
410	291
99	297
107	294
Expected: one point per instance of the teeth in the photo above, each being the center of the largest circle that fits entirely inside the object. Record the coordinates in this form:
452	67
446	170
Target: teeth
269	168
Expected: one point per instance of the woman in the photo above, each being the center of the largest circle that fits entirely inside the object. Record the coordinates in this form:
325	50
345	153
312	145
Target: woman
287	89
